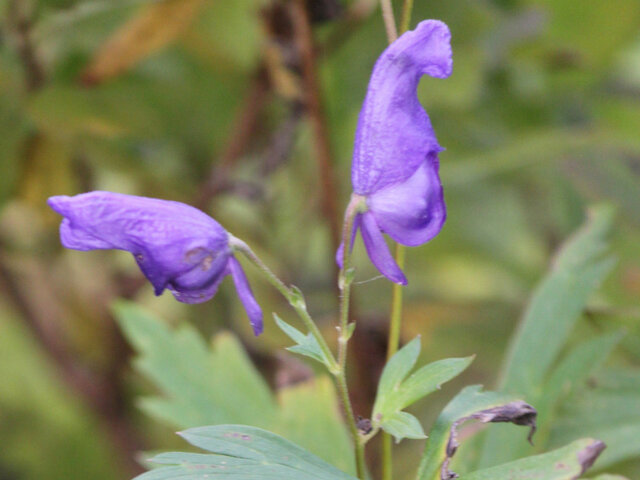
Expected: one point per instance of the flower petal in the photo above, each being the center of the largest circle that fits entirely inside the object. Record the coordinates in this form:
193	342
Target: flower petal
200	294
201	282
411	212
394	134
174	244
379	251
246	295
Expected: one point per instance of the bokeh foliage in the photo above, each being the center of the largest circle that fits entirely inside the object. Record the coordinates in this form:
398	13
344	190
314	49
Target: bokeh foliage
540	119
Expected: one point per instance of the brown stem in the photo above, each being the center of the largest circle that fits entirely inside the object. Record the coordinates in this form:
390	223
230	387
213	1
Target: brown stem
313	100
244	127
21	25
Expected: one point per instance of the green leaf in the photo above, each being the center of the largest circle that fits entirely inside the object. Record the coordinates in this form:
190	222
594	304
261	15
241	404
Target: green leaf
577	271
245	452
574	370
395	393
307	345
201	384
567	463
402	425
612	416
469	401
396	370
425	381
297	298
607	476
321	431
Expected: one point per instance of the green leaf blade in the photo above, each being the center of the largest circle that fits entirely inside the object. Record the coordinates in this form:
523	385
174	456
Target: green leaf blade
395	371
427	380
567	463
557	303
242	451
403	425
307	345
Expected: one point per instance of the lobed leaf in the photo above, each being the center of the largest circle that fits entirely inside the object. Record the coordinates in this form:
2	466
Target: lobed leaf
241	451
402	425
201	385
307	345
396	391
425	381
396	370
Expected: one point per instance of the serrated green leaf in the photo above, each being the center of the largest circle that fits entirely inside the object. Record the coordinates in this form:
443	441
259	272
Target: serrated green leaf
394	372
397	368
240	451
199	386
425	381
307	345
396	392
567	463
403	425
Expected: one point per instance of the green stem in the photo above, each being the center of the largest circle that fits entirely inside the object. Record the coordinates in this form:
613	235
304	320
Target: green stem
356	205
358	445
395	323
345	278
292	297
405	21
392	347
337	369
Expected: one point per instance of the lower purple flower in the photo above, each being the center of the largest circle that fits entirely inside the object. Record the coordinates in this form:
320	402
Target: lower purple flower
176	246
395	159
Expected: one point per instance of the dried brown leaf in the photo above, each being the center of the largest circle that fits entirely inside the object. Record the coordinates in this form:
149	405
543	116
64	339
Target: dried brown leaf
155	26
518	413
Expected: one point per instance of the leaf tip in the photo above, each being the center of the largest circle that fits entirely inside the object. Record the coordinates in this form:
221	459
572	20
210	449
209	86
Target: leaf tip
588	455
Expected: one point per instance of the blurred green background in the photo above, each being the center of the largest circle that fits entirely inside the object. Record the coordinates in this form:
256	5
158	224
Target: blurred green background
222	104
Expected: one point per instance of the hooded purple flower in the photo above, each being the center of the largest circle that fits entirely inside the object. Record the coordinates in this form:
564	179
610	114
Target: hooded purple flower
395	158
176	246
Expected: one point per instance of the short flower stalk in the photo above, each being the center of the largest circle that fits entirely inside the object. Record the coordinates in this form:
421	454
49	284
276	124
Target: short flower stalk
293	297
336	368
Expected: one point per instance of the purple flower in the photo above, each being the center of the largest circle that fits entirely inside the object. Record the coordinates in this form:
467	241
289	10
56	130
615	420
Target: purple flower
176	246
395	158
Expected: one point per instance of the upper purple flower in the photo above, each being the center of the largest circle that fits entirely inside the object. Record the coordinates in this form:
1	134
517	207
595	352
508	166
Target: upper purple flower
176	246
395	158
